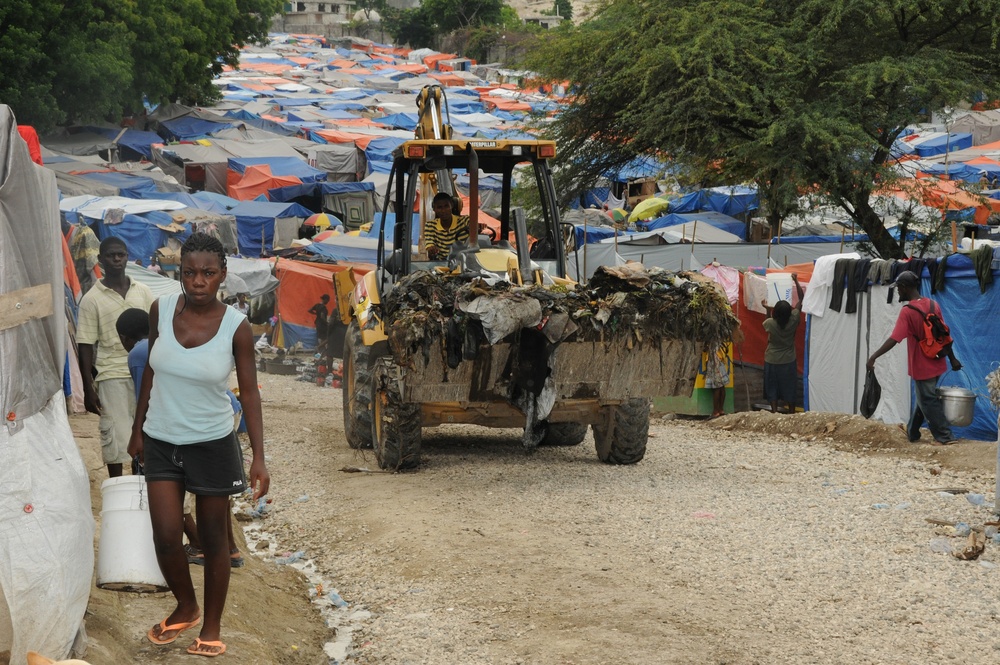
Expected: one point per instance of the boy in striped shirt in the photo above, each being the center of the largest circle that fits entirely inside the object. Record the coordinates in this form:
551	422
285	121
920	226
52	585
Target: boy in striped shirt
445	229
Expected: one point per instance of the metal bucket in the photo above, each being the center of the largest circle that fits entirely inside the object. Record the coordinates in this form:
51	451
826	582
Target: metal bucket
959	404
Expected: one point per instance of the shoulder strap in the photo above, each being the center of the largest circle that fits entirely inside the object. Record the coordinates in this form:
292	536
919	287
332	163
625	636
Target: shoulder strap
930	308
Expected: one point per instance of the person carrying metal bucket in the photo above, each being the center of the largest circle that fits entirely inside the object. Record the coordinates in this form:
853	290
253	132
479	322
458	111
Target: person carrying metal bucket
924	369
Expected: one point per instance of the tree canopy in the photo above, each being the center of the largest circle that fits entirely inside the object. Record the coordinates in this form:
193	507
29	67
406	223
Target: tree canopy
91	60
422	26
796	95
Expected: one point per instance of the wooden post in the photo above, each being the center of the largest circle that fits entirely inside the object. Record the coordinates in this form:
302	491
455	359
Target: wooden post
842	232
954	237
694	232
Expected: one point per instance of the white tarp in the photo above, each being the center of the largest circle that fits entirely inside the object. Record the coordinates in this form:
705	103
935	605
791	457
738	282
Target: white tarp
46	525
839	345
94	207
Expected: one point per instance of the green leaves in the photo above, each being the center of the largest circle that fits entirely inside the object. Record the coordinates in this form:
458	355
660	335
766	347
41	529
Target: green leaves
94	60
792	94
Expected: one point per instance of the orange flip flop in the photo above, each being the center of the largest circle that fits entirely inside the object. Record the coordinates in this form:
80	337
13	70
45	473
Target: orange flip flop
164	628
198	648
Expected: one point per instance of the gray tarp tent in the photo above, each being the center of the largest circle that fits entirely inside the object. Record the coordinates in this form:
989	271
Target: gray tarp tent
46	524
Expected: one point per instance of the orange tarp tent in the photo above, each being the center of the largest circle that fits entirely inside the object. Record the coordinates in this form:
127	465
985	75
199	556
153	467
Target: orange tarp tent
334	136
505	104
300	286
448	79
256	180
946	195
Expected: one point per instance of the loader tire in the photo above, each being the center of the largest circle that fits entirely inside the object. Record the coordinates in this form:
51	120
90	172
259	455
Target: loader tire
564	434
621	437
357	389
395	430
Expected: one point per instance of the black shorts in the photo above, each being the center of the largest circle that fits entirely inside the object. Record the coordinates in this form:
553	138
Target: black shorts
212	468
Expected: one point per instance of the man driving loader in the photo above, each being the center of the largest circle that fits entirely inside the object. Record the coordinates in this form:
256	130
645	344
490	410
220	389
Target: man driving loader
446	229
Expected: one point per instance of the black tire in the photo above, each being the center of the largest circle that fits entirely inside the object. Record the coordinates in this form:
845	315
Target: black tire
395	429
621	437
357	389
564	434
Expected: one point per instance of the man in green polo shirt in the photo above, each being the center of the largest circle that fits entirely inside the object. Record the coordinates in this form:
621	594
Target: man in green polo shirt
110	394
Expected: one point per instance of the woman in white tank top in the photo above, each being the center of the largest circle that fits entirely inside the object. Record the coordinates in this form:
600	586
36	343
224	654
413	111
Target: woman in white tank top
183	433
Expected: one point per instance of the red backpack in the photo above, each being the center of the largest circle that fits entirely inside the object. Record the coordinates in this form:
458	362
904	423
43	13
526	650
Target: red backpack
936	341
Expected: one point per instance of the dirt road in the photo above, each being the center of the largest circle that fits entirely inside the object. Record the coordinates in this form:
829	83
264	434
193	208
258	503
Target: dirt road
729	543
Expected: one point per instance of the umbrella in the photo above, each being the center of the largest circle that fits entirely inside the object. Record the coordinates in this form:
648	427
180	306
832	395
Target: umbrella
648	208
619	214
323	235
321	221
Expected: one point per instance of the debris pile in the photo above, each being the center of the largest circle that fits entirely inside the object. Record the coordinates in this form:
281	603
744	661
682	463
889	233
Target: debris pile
629	304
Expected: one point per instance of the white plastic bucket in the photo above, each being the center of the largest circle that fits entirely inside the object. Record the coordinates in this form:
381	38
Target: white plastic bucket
126	558
779	287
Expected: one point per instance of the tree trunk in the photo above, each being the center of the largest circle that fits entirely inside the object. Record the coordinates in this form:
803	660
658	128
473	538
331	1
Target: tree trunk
883	243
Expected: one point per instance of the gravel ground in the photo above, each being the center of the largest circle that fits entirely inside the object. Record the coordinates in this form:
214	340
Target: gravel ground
725	545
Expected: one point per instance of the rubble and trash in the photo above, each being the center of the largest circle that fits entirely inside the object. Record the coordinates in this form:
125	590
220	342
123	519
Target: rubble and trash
631	303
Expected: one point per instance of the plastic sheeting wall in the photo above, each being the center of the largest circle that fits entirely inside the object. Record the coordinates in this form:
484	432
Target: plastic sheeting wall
46	534
46	526
838	348
839	345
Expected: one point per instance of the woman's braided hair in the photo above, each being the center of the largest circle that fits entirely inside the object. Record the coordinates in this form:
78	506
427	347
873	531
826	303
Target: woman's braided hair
202	242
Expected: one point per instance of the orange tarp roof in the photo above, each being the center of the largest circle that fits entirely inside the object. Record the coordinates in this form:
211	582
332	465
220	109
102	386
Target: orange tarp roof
342	63
946	195
334	136
256	180
355	122
275	68
259	87
432	59
411	67
356	71
447	79
984	160
505	104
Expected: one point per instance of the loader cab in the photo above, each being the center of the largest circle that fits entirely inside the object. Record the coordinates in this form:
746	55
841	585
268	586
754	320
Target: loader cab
422	168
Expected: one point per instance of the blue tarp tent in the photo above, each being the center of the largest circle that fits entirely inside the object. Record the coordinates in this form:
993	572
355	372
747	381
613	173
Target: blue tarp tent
593	234
255	221
390	228
939	145
134	143
189	127
407	121
640	167
972	318
965	172
131	186
350	248
380	149
716	219
141	234
318	189
463	106
735	200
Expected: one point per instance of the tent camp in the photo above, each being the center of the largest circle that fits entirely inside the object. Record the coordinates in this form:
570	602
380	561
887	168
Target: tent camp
47	527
